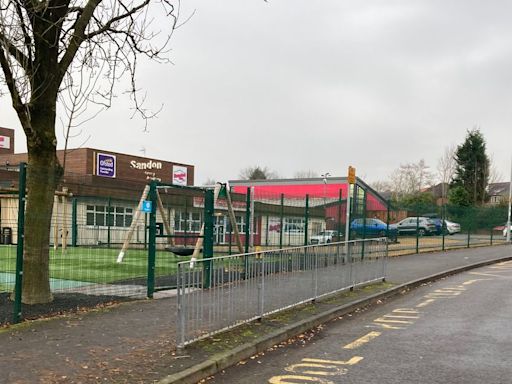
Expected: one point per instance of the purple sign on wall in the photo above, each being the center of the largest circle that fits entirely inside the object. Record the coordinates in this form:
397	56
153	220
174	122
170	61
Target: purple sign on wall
105	165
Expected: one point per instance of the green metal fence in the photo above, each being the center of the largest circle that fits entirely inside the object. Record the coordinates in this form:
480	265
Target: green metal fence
424	228
105	246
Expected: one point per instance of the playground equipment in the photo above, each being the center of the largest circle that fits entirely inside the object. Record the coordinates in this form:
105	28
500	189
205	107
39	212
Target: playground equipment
177	249
60	229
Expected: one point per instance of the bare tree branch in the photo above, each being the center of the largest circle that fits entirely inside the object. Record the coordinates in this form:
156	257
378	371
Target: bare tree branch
78	36
107	26
17	102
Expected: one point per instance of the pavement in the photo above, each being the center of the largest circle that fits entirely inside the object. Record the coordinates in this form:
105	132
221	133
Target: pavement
134	342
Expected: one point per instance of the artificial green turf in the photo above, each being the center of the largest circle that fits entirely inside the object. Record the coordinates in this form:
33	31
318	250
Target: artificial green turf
96	265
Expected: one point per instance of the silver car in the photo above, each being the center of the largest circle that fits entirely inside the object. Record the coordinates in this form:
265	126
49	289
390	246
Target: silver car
324	237
451	227
412	225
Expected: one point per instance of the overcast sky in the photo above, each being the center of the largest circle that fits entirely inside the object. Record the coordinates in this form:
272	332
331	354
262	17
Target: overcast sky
299	85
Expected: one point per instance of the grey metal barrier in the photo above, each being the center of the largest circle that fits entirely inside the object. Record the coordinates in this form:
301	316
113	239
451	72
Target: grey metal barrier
220	293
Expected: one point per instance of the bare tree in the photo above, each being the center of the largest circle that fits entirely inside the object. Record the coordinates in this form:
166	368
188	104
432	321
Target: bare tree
410	178
381	186
209	181
446	166
495	175
43	43
425	176
257	173
75	101
306	174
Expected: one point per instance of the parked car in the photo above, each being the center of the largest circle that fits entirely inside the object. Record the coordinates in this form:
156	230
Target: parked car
436	220
412	225
373	228
451	227
324	237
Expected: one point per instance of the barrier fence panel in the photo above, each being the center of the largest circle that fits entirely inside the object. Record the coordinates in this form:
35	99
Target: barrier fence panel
245	287
428	228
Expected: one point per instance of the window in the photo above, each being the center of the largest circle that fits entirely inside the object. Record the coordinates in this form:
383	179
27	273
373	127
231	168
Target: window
114	216
240	223
293	225
187	221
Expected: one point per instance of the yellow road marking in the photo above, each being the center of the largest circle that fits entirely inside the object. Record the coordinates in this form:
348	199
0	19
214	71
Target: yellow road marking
473	281
320	367
484	274
501	269
406	310
384	320
362	340
385	326
459	288
425	303
401	317
439	296
292	379
316	369
504	264
352	361
449	290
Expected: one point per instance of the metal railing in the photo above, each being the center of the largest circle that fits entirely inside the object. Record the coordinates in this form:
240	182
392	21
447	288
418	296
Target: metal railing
220	293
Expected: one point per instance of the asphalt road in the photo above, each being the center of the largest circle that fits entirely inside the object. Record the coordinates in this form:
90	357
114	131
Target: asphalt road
456	330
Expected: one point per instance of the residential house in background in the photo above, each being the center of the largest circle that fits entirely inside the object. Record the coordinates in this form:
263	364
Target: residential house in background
498	193
438	191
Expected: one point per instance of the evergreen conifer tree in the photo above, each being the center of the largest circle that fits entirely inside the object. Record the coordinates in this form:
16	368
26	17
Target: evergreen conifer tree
472	169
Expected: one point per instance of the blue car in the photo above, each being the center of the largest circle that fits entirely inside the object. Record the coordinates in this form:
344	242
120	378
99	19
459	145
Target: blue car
373	228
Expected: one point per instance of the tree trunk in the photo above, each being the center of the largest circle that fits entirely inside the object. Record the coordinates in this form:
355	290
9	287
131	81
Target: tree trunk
43	174
42	177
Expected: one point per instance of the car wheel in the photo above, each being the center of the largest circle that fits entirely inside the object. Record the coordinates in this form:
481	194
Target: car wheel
422	232
382	234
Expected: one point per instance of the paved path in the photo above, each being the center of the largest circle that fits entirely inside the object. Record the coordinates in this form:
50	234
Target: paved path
445	332
134	342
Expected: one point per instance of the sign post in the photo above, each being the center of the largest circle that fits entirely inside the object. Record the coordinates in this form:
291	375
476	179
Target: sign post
351	179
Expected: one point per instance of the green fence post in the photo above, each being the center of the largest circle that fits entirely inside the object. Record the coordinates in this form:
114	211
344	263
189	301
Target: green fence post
247	219
208	236
152	240
306	226
443	226
74	225
364	223
340	202
417	233
230	244
491	236
110	215
388	217
266	230
20	243
185	240
281	225
145	230
469	236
